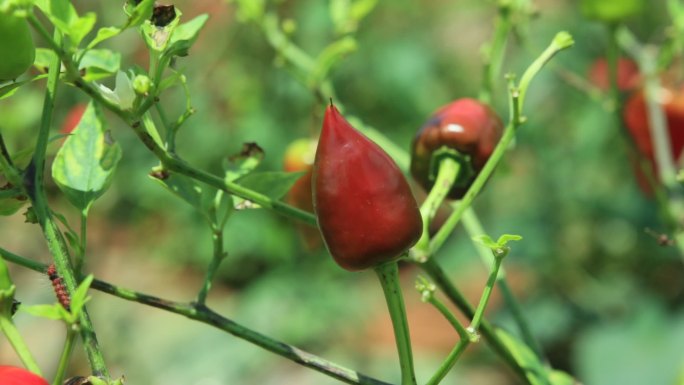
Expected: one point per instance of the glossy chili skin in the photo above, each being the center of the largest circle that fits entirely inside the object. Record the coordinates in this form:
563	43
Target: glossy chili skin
365	208
467	126
11	375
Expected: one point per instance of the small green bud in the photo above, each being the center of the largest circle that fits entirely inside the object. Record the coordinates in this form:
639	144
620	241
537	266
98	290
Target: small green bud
142	84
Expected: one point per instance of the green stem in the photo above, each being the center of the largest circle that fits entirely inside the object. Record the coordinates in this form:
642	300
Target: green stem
460	347
449	362
217	258
560	42
484	300
388	274
18	344
440	278
80	256
207	316
494	55
446	176
66	354
34	182
473	227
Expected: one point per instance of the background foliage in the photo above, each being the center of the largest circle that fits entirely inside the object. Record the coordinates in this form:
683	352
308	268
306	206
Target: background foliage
602	295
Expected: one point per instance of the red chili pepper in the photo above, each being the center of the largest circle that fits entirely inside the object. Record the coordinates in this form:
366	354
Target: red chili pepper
635	116
467	126
11	375
628	77
364	205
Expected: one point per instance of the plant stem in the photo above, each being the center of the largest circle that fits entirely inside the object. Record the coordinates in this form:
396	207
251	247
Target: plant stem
388	274
207	316
66	354
473	227
80	256
18	344
463	342
444	283
217	258
34	183
495	53
447	174
561	41
484	300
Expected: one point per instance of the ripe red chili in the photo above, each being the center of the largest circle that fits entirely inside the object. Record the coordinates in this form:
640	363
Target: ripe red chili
635	116
466	125
364	205
11	375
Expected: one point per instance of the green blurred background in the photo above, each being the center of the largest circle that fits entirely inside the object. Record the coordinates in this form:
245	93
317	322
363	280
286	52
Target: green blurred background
603	297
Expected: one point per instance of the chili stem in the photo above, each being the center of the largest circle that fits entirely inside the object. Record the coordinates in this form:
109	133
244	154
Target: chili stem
66	354
18	344
388	274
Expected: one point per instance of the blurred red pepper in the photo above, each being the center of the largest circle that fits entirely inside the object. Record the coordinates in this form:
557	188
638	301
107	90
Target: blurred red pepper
11	375
635	116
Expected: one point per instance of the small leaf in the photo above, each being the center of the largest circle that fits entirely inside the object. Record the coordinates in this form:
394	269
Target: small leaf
54	311
80	27
184	36
141	12
486	241
11	88
273	184
9	206
184	188
103	34
80	295
43	58
243	162
99	64
504	239
84	166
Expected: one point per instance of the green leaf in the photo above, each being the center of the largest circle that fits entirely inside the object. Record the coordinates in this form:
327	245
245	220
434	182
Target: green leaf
11	88
103	34
43	58
54	311
80	27
141	12
184	36
486	241
504	239
244	162
184	188
80	295
84	166
274	184
99	64
9	206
